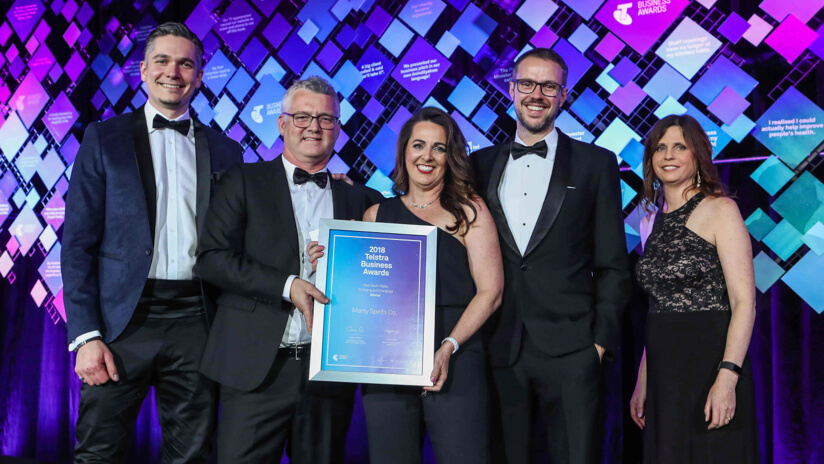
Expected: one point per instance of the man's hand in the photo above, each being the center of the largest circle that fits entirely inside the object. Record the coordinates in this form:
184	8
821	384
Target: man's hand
601	351
303	296
314	251
95	363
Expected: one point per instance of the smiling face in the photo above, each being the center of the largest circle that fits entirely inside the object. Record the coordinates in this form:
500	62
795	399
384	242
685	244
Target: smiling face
310	147
172	73
672	161
425	155
536	112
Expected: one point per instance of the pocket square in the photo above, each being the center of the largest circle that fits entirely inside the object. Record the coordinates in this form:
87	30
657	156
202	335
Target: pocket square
571	187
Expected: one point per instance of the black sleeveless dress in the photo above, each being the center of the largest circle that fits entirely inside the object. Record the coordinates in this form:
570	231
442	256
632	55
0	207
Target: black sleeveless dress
686	336
456	418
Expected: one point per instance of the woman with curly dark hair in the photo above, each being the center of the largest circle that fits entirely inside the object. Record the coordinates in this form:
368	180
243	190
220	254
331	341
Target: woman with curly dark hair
694	396
434	184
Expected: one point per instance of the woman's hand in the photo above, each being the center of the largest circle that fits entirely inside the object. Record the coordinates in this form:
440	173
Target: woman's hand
637	403
314	251
720	407
440	368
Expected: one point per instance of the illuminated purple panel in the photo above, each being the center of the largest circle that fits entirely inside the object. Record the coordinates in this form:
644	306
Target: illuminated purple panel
23	16
380	150
544	38
271	68
640	27
734	27
500	74
420	15
266	6
26	228
71	34
458	4
791	38
131	69
346	36
362	35
268	154
254	54
625	71
720	74
261	112
84	15
475	140
375	67
277	30
329	56
804	10
378	21
576	62
202	109
420	69
27	162
583	38
667	82
585	8
728	105
466	96
396	38
308	31
138	100
318	12
42	31
240	84
75	66
5	33
817	47
398	119
588	106
373	109
217	72
69	149
8	183
295	53
69	9
688	48
29	99
50	169
124	45
718	137
473	28
101	65
484	118
610	46
41	62
571	127
5	209
114	85
17	67
236	133
237	23
54	74
200	22
535	13
60	117
32	45
792	127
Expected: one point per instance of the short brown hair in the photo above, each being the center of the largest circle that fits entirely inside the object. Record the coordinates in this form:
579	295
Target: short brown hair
177	30
544	54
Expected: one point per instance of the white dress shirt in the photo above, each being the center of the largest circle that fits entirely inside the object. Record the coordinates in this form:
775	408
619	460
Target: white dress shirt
523	189
175	237
310	204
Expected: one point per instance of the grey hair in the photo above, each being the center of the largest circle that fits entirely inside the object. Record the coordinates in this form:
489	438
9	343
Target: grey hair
177	30
313	84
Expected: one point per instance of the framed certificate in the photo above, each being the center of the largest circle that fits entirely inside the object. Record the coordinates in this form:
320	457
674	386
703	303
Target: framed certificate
378	326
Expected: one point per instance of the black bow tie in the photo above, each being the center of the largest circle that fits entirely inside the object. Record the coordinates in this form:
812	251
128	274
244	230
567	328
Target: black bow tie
160	122
519	150
319	178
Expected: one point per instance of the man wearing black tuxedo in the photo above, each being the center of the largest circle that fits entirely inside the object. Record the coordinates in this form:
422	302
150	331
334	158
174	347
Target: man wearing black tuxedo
260	221
137	314
565	264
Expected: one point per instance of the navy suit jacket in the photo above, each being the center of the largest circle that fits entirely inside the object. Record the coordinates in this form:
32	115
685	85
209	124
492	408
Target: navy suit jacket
108	234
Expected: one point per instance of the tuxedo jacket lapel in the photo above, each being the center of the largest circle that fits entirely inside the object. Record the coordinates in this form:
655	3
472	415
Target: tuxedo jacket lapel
283	201
145	166
554	195
495	206
203	166
339	198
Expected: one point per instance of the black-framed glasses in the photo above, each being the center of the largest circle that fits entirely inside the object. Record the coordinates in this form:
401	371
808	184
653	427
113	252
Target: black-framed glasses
549	89
304	120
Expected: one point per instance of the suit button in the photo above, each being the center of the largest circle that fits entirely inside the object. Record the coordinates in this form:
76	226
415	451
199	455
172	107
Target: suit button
149	252
523	267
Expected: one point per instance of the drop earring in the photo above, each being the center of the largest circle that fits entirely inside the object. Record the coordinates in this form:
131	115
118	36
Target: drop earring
698	179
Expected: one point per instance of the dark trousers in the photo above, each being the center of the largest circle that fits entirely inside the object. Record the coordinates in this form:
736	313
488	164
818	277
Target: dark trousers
457	418
567	390
164	353
313	417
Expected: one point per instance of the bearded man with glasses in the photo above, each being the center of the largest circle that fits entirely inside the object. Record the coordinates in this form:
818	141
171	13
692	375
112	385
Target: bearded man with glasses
260	221
565	265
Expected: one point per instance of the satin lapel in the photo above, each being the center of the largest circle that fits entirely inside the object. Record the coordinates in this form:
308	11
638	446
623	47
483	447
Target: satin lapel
283	200
494	199
555	194
339	197
203	164
145	166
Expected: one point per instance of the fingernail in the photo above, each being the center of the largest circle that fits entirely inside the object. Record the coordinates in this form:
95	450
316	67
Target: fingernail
432	379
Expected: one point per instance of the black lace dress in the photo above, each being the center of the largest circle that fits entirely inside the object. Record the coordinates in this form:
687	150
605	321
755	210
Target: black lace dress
686	336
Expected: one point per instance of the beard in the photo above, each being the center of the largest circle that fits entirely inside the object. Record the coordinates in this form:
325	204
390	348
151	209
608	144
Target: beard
536	127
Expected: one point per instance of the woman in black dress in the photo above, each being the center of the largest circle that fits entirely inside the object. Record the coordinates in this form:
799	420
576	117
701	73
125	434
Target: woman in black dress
694	396
434	184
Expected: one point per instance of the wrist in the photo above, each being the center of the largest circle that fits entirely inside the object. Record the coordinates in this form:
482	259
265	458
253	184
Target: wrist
87	341
453	342
727	377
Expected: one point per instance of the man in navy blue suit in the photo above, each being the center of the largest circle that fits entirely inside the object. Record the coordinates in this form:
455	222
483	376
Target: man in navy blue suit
137	313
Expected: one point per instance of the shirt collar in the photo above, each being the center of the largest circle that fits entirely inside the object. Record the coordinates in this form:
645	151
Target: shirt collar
290	172
551	140
151	112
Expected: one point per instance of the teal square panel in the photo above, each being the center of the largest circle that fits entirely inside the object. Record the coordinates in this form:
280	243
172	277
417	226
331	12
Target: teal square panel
759	224
767	272
670	106
783	240
814	238
805	280
772	175
616	136
802	204
627	194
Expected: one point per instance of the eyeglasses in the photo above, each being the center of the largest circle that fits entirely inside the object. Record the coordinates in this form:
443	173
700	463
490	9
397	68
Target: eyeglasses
304	120
549	89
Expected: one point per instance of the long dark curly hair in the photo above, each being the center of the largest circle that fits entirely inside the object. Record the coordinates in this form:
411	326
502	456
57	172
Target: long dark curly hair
701	148
458	181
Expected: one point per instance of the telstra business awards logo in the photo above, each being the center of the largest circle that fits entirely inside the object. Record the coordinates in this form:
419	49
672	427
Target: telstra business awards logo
621	15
